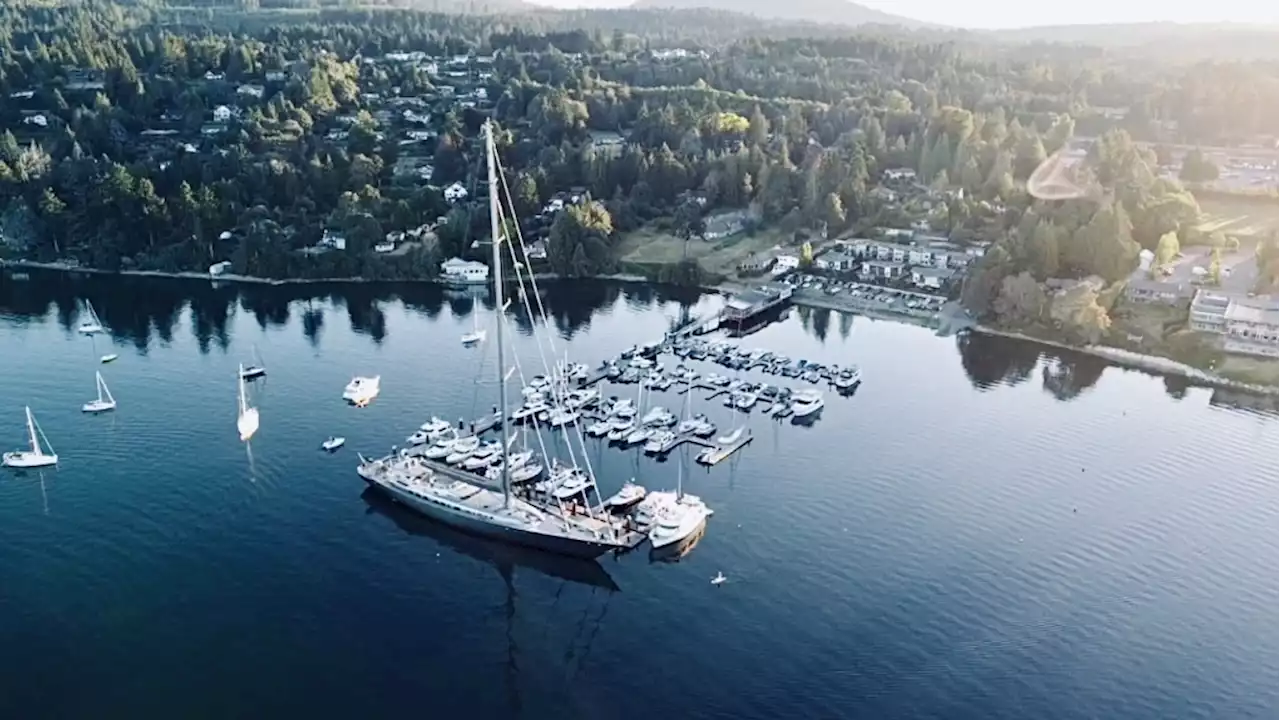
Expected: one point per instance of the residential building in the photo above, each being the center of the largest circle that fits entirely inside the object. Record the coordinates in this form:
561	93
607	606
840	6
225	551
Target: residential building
931	277
38	119
536	250
1247	325
457	271
455	193
277	76
221	268
222	114
249	90
900	175
332	240
783	264
882	269
755	263
1147	290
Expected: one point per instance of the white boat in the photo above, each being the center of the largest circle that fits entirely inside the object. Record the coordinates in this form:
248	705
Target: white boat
93	325
655	416
462	449
576	483
582	398
362	389
745	400
806	402
105	401
530	409
525	473
441	448
638	435
678	522
629	495
256	370
333	443
109	357
560	417
436	427
619	429
520	459
247	421
624	408
420	437
599	428
849	378
732	437
658	441
477	334
484	456
36	457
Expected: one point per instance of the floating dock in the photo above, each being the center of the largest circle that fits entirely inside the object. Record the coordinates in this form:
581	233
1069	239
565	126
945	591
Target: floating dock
714	454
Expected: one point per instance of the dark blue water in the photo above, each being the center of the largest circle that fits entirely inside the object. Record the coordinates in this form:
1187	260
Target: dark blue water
969	536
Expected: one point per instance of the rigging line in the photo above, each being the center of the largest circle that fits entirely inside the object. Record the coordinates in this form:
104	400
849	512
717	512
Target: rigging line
502	179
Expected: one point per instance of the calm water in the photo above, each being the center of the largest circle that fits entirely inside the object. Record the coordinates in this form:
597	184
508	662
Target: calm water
966	537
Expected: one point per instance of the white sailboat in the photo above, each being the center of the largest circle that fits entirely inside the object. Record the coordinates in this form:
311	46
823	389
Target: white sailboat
35	457
679	517
105	401
247	422
256	370
93	325
477	335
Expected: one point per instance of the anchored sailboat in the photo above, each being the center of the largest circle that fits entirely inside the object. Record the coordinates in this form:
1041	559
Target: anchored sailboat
256	370
35	457
93	325
105	401
477	509
477	335
247	422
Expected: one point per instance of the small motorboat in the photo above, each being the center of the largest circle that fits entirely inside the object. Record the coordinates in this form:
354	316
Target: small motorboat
732	437
435	426
638	435
484	456
441	448
576	484
718	579
333	443
473	338
629	495
599	429
462	449
418	438
109	357
525	473
620	429
658	441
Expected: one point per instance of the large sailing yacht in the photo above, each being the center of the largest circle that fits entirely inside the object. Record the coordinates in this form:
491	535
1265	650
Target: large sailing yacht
491	513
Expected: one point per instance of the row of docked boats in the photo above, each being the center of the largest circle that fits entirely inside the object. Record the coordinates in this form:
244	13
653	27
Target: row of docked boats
729	355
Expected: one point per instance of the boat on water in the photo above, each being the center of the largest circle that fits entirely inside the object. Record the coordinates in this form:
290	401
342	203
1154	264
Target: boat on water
462	449
848	378
623	408
333	443
105	402
678	522
91	326
256	370
658	441
435	427
477	334
35	456
247	421
361	390
109	357
441	448
525	473
630	494
637	436
806	402
599	428
464	506
619	429
745	400
483	457
419	437
559	417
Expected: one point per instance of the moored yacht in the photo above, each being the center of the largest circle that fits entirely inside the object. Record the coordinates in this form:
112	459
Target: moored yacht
436	427
806	402
678	522
848	378
484	456
630	494
462	449
362	389
658	441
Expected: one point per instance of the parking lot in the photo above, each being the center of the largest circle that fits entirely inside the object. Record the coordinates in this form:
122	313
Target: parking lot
864	296
1239	269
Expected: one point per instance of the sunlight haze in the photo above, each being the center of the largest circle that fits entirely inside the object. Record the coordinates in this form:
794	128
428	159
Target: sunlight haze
1032	14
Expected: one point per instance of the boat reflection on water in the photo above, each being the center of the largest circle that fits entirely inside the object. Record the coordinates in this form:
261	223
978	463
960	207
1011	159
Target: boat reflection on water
675	553
502	556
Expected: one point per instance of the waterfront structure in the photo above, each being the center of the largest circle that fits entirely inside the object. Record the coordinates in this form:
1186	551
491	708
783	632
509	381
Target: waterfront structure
1245	325
744	306
456	271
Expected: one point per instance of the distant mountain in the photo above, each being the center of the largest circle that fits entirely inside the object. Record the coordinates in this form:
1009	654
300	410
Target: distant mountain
1190	42
824	12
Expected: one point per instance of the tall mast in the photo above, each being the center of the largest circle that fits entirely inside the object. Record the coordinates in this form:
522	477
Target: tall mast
31	428
495	229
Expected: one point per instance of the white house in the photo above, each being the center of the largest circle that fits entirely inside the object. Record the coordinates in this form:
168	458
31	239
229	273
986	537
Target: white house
785	263
884	269
385	247
37	119
221	268
211	75
456	271
930	277
254	91
906	174
455	193
222	114
333	240
536	250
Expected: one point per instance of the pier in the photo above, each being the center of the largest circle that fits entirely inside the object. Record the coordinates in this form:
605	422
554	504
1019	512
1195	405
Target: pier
743	307
715	453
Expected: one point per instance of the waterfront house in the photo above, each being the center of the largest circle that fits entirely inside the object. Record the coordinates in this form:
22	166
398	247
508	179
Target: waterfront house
1147	290
222	114
332	240
783	264
251	91
455	193
456	271
536	250
1245	325
755	264
221	268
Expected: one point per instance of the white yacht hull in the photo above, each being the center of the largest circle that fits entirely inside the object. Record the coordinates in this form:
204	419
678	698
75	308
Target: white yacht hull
98	406
476	524
802	411
26	459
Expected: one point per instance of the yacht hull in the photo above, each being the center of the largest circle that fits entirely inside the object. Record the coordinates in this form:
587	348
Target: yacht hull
445	515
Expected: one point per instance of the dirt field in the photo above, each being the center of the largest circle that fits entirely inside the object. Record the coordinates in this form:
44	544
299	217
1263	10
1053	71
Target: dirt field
1241	217
651	247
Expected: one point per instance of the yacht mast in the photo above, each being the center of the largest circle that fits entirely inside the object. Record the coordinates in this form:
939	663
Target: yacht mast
495	229
31	428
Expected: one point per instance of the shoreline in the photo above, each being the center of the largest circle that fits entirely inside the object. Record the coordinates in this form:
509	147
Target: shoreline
273	282
1140	361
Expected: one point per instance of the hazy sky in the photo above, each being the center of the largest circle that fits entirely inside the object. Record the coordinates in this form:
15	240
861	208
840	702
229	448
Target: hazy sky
1025	13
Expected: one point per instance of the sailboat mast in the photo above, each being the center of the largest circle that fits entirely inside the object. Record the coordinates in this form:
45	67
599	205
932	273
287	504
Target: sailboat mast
31	429
495	228
240	387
